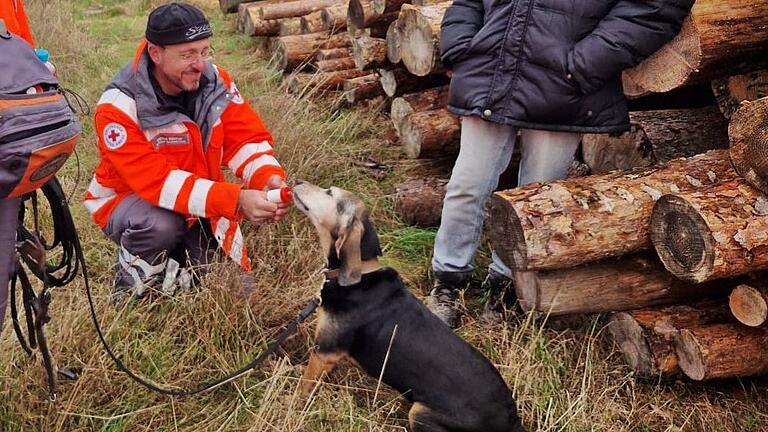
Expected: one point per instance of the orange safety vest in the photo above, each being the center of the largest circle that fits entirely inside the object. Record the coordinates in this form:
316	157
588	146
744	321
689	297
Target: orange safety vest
12	12
175	163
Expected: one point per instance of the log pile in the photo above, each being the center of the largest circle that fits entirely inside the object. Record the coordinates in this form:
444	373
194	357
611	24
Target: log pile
331	38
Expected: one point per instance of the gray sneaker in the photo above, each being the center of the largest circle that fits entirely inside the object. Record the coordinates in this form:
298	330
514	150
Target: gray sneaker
443	301
502	301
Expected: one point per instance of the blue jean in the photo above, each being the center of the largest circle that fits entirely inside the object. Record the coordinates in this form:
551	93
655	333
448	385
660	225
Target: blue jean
486	149
9	210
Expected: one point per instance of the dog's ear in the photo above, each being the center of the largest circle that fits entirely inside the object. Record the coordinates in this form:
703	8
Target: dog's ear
348	249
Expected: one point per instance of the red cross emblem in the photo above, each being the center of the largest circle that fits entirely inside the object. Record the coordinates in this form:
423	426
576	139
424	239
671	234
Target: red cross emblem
236	96
115	136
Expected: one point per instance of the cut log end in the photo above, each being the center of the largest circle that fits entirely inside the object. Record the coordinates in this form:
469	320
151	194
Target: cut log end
388	82
411	138
356	13
672	66
417	52
748	306
748	133
689	355
507	239
680	236
628	333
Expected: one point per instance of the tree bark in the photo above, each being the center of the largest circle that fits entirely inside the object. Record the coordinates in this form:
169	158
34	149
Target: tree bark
313	22
399	81
656	137
714	41
420	201
432	133
369	52
290	52
614	284
732	91
334	53
362	88
645	335
291	26
255	26
748	134
394	40
749	303
571	222
335	17
722	351
304	82
420	42
335	64
382	7
295	8
427	100
712	233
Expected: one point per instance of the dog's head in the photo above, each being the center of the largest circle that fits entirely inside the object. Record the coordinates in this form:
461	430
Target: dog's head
346	235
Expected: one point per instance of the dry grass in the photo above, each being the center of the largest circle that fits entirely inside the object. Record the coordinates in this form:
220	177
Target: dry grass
564	380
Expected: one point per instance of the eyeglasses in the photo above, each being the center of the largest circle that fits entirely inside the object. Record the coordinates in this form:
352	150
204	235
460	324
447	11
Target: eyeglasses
193	57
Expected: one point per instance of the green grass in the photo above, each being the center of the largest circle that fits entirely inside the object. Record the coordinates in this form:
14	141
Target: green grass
571	379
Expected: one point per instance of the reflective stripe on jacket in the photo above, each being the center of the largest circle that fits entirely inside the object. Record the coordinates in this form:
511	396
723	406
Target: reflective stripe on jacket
174	162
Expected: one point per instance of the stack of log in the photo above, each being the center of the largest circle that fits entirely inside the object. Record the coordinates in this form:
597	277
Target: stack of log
667	234
342	45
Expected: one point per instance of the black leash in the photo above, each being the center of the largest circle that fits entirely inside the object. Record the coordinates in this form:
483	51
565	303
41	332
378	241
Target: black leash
72	260
32	252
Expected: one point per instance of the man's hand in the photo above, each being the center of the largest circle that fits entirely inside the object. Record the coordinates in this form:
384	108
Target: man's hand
256	208
277	182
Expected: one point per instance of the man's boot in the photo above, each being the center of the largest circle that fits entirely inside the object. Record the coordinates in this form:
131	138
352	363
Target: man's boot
443	300
502	300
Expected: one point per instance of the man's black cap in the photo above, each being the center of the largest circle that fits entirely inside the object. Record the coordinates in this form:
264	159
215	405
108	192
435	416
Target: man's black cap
175	23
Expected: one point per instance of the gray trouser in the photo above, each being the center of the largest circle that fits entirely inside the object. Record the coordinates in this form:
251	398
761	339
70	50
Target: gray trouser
486	149
9	210
157	246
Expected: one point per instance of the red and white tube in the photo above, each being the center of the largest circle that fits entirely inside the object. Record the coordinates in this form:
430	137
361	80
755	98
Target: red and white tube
282	195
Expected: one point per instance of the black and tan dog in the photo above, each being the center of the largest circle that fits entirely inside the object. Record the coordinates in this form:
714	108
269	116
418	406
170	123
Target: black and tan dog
367	316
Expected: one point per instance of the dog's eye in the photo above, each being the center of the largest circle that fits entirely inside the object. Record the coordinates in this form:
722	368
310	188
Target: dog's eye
328	192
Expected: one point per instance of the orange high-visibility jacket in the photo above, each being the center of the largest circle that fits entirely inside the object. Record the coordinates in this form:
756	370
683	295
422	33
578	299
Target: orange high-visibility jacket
12	12
174	162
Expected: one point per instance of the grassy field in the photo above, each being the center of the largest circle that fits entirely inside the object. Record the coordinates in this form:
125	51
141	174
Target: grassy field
565	377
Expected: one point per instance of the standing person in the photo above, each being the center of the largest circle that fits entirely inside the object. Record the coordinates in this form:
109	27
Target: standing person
14	19
548	69
166	124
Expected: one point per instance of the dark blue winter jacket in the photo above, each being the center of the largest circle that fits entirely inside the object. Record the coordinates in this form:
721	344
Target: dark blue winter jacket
551	64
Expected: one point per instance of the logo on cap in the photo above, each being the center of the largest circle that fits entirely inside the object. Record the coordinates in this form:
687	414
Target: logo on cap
198	30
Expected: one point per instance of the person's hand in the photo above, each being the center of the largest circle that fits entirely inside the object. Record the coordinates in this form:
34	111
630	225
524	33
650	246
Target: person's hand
256	208
277	182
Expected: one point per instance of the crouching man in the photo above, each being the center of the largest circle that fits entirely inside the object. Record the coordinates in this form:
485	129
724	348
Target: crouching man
166	124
